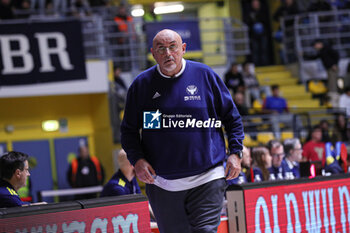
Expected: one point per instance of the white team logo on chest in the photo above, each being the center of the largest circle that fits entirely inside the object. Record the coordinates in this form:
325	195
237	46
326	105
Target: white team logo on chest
192	91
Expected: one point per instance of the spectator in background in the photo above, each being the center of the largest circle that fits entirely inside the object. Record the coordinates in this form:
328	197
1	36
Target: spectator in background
275	103
85	171
117	102
330	59
150	16
234	79
314	148
287	8
80	8
240	104
14	171
344	101
251	84
334	155
341	132
346	78
21	4
318	90
290	163
124	26
119	85
123	181
319	5
257	20
325	130
261	162
6	11
247	160
277	153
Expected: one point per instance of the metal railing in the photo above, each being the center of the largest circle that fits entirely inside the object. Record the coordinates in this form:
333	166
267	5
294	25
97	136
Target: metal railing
300	31
223	40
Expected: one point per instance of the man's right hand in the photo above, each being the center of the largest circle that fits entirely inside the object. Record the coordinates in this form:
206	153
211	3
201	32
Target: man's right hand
144	171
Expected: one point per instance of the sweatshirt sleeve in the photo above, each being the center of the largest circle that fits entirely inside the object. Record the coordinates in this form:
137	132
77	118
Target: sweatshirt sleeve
131	125
229	116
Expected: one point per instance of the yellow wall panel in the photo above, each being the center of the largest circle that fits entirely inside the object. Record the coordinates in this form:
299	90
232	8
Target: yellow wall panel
212	36
86	115
103	132
27	114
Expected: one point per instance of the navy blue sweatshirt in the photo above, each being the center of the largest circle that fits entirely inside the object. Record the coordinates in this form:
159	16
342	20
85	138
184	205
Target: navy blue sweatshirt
8	195
119	185
197	95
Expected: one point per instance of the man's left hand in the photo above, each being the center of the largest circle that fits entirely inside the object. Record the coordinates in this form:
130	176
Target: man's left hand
233	167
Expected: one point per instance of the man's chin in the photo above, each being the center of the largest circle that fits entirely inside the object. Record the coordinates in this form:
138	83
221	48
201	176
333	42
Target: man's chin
169	69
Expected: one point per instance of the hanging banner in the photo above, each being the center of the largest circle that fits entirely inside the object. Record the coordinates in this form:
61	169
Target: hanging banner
188	30
41	52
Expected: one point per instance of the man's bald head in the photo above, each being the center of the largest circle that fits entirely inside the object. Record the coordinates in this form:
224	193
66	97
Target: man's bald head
168	51
165	34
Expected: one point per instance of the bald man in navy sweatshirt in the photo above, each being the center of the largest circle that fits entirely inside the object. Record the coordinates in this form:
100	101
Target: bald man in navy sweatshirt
172	134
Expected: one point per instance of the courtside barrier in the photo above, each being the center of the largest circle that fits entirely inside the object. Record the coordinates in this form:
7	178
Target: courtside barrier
321	204
68	192
127	213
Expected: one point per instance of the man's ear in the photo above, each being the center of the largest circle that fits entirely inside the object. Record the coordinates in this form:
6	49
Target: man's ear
17	173
152	52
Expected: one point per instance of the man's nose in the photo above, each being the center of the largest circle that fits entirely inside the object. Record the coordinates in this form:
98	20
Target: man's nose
167	50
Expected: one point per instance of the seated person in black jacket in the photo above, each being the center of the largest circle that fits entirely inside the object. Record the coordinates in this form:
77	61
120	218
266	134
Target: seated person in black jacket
233	79
14	171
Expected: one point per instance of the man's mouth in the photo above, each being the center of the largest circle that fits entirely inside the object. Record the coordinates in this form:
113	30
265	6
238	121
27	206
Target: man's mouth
169	60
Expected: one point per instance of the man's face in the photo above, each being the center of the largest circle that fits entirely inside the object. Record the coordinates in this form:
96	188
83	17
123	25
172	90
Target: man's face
317	135
318	46
239	98
277	154
246	159
168	51
256	4
276	92
234	69
24	174
267	160
84	152
297	153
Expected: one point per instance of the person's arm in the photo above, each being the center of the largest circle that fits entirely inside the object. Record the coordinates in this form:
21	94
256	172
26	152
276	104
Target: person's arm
69	176
102	173
113	190
310	57
10	200
131	125
232	122
130	134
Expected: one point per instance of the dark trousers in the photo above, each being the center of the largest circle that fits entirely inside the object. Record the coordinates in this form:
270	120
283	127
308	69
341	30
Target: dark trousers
195	210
